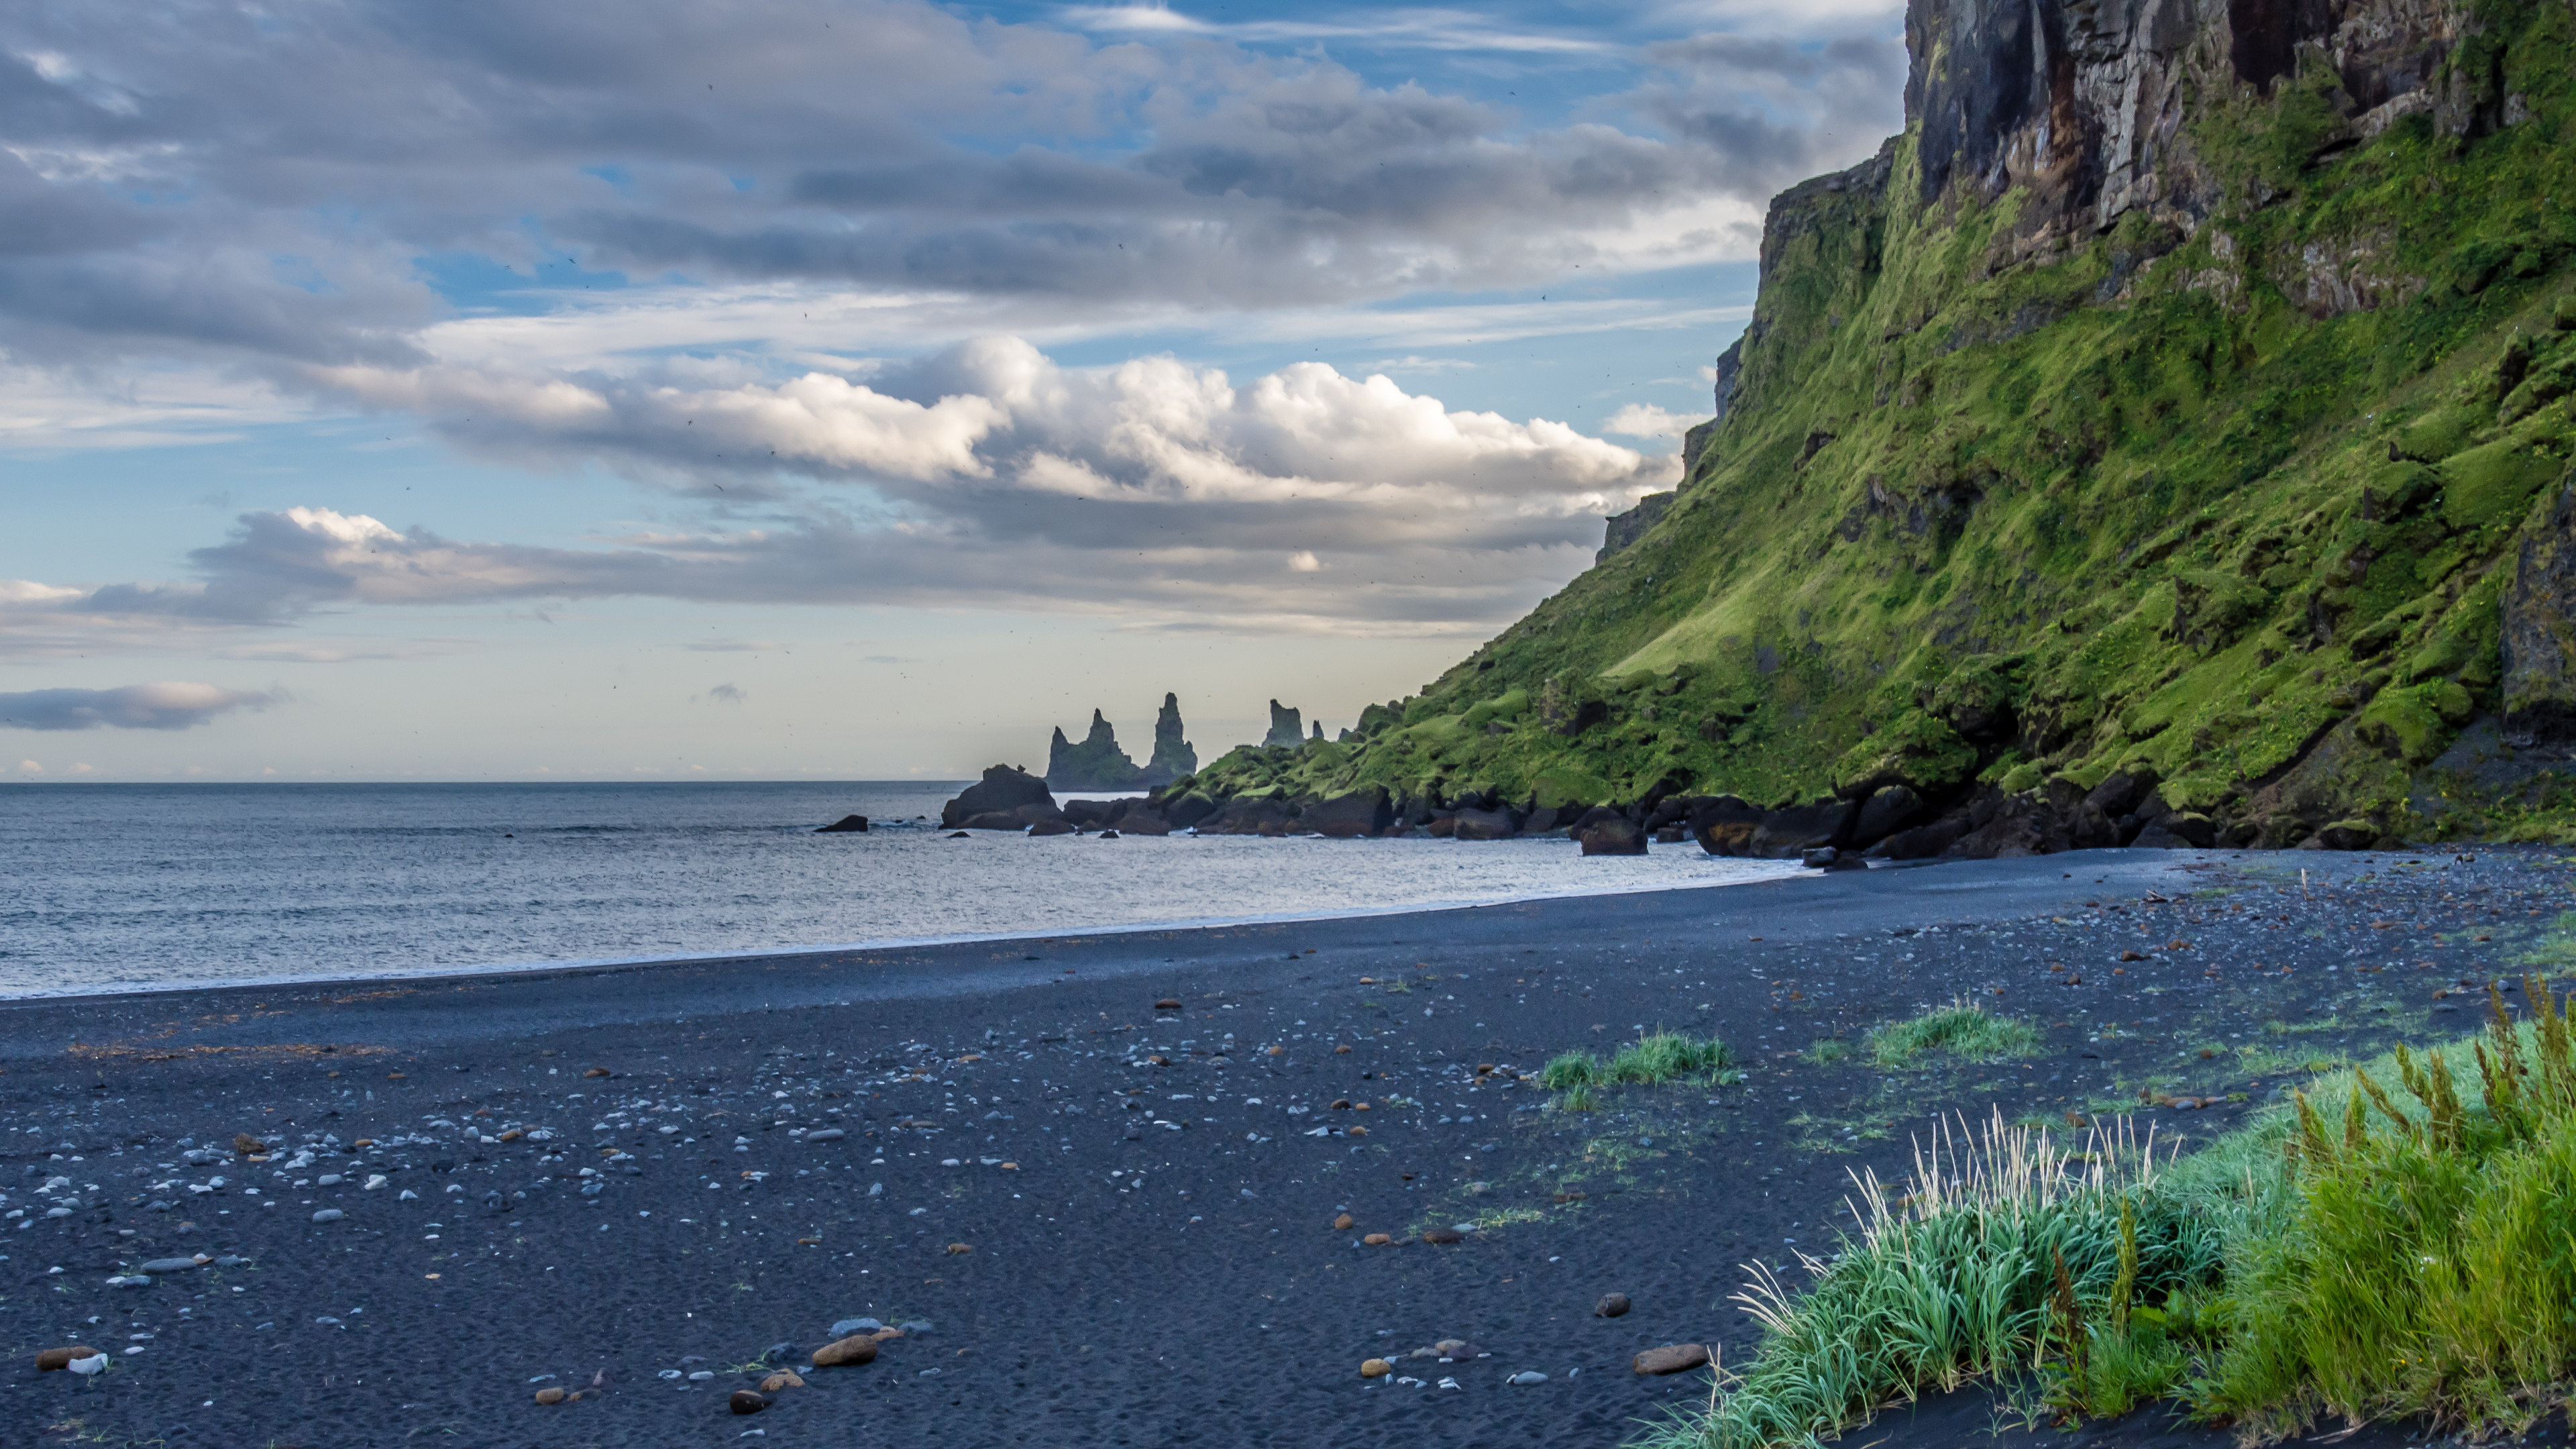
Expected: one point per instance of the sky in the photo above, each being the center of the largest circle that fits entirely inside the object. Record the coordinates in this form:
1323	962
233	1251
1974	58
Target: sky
840	388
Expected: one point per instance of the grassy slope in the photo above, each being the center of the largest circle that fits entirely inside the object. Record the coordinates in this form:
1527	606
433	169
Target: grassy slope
2136	488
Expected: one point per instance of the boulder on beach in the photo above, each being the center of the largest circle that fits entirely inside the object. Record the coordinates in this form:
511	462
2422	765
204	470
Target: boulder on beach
1054	827
846	823
1617	835
1004	790
1473	824
1368	812
1137	819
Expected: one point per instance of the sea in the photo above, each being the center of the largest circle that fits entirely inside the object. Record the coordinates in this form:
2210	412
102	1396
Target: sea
113	887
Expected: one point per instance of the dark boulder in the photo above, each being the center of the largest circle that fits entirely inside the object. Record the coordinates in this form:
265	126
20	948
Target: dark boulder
1547	818
1250	815
2121	791
1884	813
1002	789
1090	814
1724	825
1474	824
1923	841
846	824
1189	810
1109	835
1825	857
1790	831
1368	812
1617	835
1055	827
1140	819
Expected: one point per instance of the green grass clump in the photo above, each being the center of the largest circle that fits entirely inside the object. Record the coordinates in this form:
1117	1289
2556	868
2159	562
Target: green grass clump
2405	1250
1661	1056
1963	1029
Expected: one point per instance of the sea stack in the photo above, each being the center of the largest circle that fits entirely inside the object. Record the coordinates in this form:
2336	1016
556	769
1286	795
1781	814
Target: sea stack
1287	729
1095	764
1173	755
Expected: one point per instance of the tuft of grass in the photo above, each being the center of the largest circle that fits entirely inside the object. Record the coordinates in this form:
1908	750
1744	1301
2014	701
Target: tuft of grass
1963	1029
1578	1098
1824	1051
1653	1057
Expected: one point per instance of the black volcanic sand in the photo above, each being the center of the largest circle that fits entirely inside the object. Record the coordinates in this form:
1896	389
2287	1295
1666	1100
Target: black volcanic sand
1146	1201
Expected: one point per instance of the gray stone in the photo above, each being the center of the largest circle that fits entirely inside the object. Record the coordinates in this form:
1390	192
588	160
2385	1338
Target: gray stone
915	1325
1526	1377
168	1265
328	1179
848	1326
828	1134
329	1215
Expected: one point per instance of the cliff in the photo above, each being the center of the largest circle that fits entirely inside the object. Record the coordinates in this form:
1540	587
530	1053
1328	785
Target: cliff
2180	404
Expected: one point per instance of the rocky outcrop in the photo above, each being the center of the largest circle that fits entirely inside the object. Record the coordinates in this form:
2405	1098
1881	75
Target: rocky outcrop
2538	624
847	824
1007	798
1368	812
1622	529
1287	728
1611	834
1173	755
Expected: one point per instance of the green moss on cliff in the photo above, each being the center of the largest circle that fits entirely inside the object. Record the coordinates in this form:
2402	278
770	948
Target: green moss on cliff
2230	503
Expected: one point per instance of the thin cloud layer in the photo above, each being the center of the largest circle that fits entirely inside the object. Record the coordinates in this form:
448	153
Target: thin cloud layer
168	706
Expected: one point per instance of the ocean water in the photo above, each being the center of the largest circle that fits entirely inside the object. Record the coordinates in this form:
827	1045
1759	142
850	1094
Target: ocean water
107	887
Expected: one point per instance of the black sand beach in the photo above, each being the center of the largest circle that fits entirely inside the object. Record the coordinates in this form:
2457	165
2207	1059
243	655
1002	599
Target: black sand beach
1117	1220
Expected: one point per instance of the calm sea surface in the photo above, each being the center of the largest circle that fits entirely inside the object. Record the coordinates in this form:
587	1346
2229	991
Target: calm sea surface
117	886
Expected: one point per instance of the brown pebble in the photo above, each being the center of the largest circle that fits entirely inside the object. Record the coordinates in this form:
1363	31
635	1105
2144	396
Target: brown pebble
856	1349
1611	1305
1443	1235
551	1395
1377	1240
393	1076
782	1379
1359	1132
1376	1368
1158	1059
1341	1051
1341	1104
513	1135
245	1144
52	1359
1343	1223
1279	1051
1167	1004
961	1247
1672	1358
744	1401
596	1072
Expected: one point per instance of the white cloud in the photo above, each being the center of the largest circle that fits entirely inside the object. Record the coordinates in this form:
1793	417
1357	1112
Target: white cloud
1644	420
166	706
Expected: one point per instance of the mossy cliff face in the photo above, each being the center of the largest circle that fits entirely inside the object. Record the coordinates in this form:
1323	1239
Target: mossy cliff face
2186	394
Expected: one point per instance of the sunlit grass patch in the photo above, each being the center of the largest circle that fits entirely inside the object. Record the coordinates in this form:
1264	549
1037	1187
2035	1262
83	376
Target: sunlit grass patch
1654	1057
1963	1029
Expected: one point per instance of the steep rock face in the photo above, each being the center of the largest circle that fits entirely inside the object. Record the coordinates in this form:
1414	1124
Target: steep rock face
1174	756
1006	798
2169	401
1095	764
2539	623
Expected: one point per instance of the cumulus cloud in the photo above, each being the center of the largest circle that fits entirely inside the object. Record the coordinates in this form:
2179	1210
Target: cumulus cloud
1644	420
1298	500
168	706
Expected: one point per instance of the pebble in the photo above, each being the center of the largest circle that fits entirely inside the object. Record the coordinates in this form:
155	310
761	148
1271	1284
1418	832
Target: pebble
135	1280
1526	1377
95	1363
782	1379
701	1376
1167	1004
52	1359
961	1247
848	1326
855	1349
245	1144
1376	1368
828	1134
169	1265
1672	1358
1343	1223
1443	1235
328	1179
744	1401
1377	1240
329	1215
551	1395
1611	1305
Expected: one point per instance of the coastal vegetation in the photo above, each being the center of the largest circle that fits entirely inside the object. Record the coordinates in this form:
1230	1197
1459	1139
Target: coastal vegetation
1963	1029
1653	1057
2389	1243
2258	492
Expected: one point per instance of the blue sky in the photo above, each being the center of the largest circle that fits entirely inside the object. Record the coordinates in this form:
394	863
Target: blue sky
777	388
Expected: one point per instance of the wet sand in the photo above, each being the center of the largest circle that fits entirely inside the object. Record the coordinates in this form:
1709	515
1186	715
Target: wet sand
1117	1219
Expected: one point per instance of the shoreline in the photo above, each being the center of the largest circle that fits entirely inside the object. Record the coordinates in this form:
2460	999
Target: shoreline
1116	1216
434	974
